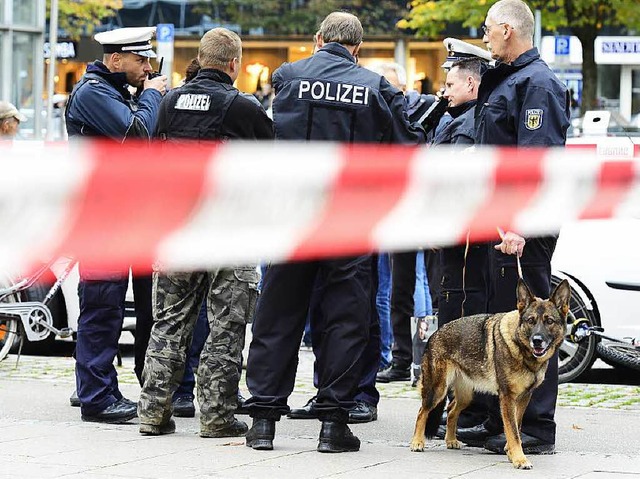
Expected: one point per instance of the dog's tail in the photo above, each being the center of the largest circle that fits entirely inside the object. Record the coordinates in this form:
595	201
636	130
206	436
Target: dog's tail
433	421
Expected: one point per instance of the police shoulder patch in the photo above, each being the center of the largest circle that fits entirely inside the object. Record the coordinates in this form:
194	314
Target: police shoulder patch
533	118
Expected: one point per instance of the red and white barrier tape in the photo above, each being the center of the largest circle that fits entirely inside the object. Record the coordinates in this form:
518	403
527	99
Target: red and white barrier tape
190	206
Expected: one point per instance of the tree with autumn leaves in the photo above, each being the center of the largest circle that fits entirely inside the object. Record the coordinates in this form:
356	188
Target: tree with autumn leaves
583	18
81	17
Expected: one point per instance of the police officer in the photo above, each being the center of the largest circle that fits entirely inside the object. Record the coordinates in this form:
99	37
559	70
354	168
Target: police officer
324	97
463	268
206	108
402	265
520	102
101	105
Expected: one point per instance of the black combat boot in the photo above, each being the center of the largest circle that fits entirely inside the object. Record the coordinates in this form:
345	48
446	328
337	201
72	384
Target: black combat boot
261	434
337	437
395	372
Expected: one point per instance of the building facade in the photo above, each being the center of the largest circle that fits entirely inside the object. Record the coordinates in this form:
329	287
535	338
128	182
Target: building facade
22	26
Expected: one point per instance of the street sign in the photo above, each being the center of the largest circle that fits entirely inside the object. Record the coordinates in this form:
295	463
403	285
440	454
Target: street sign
562	45
165	35
165	32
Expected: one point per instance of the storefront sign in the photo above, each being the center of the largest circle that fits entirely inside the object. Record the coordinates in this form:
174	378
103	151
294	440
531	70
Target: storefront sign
63	50
617	50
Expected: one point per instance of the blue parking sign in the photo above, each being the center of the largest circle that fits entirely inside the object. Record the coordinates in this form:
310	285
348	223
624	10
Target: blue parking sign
562	45
164	32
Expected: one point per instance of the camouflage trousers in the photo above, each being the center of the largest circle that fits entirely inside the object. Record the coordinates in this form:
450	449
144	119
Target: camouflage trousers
177	298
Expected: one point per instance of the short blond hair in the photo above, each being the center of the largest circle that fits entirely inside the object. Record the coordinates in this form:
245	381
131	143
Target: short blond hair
218	47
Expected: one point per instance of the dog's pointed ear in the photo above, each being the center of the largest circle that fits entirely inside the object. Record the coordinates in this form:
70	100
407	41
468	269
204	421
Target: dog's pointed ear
561	297
523	295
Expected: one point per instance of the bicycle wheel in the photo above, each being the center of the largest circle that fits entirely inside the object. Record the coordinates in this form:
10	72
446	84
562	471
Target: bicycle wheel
9	327
574	359
620	354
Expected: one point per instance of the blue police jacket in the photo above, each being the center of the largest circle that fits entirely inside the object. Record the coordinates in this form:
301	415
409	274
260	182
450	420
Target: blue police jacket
329	97
461	130
101	105
522	104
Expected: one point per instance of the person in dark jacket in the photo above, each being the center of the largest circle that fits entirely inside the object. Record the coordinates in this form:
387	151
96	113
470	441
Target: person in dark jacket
461	91
521	103
463	268
207	108
324	97
101	105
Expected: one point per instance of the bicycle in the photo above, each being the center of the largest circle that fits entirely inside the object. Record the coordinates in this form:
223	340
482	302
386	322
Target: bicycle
30	320
614	351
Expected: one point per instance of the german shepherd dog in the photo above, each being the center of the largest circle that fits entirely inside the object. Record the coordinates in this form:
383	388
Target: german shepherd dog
504	354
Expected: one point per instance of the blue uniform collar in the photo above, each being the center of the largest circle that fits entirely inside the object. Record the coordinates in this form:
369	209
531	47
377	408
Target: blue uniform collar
215	74
118	79
339	50
523	60
526	58
456	111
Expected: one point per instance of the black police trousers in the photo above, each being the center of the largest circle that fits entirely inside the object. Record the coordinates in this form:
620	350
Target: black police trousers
463	291
403	285
370	359
538	420
345	302
102	302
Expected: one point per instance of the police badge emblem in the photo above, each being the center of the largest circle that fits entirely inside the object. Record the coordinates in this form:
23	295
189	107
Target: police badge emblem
533	119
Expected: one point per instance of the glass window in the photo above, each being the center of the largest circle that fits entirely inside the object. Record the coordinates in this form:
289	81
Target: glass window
2	11
609	87
635	95
23	63
3	36
25	12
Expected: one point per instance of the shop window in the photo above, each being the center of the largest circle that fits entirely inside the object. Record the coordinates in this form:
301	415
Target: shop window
609	87
635	96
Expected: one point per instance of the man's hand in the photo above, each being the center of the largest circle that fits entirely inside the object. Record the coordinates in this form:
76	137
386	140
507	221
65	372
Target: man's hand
158	83
512	243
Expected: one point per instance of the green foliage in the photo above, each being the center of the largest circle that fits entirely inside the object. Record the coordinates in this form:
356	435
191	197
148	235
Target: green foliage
429	17
302	17
78	17
583	18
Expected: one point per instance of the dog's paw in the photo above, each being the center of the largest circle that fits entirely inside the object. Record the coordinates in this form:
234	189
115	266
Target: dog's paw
455	444
417	445
522	463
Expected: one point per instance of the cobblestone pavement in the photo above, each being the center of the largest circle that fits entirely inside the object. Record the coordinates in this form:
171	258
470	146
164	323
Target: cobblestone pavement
61	370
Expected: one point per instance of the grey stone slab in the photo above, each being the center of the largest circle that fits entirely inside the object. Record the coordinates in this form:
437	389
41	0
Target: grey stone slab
25	468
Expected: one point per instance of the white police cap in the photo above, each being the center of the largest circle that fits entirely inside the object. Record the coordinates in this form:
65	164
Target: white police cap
459	50
128	40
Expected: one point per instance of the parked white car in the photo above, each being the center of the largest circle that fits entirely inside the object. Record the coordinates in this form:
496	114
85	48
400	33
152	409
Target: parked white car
601	260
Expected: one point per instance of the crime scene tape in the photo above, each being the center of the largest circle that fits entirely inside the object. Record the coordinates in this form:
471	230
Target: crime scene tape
189	206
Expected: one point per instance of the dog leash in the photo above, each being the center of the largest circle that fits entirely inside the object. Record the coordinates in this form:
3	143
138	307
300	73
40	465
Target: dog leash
464	274
501	233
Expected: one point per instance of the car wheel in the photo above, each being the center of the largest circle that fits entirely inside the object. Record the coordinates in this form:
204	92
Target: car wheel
576	358
620	354
9	327
38	292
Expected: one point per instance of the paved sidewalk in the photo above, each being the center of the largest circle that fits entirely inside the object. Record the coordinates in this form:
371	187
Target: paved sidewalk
42	437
